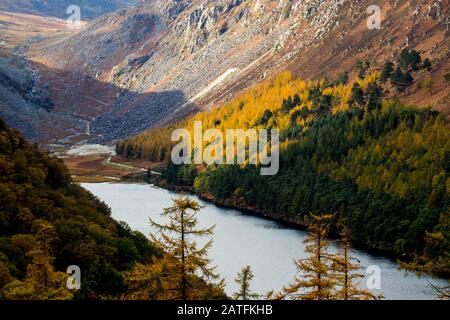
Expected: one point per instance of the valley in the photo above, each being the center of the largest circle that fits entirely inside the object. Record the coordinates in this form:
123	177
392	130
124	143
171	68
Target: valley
347	101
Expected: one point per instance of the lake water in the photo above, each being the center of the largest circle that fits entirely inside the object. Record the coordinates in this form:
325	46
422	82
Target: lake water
240	240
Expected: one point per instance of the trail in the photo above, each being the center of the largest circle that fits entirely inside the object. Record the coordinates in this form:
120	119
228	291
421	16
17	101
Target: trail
110	162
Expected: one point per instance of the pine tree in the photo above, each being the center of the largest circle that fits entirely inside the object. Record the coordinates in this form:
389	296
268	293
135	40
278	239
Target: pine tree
362	67
357	96
427	65
297	101
264	118
387	71
401	80
396	77
409	59
157	280
374	93
316	281
407	80
287	105
243	279
191	259
314	95
345	274
325	104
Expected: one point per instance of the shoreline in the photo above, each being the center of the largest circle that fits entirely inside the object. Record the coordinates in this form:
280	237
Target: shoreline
282	221
139	175
292	224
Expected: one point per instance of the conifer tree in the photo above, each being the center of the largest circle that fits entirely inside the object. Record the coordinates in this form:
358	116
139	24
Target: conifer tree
315	281
407	80
374	93
345	270
155	281
386	72
401	80
297	101
362	67
175	239
427	65
357	96
244	279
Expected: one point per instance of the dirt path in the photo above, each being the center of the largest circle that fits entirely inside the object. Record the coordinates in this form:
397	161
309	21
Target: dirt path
124	166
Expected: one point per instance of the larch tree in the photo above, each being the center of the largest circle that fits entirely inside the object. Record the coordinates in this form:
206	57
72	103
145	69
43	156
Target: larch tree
244	279
316	281
175	238
154	281
345	272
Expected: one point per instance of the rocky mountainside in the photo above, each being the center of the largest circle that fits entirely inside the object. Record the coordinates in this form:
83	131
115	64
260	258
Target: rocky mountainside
25	101
141	67
57	8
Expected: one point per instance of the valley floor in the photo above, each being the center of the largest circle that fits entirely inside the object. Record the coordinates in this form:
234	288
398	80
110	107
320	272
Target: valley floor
98	168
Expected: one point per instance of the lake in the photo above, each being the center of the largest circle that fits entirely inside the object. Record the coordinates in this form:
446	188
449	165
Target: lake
239	240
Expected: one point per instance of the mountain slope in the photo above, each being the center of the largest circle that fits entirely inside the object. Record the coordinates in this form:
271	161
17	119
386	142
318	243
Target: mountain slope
142	67
25	101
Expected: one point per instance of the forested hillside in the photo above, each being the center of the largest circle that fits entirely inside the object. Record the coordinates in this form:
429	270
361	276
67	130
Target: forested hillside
47	223
381	166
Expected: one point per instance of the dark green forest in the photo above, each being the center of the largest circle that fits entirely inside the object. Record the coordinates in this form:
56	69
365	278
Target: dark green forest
385	173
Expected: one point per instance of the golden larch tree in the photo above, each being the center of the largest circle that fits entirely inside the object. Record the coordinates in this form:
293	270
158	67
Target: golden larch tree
243	279
175	238
315	281
345	272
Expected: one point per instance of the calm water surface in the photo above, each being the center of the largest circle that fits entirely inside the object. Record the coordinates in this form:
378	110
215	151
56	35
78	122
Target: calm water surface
240	240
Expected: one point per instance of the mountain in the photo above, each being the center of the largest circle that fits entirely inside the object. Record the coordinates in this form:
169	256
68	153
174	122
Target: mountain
90	9
156	62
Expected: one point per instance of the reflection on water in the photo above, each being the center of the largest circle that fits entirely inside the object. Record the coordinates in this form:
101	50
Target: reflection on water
240	240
